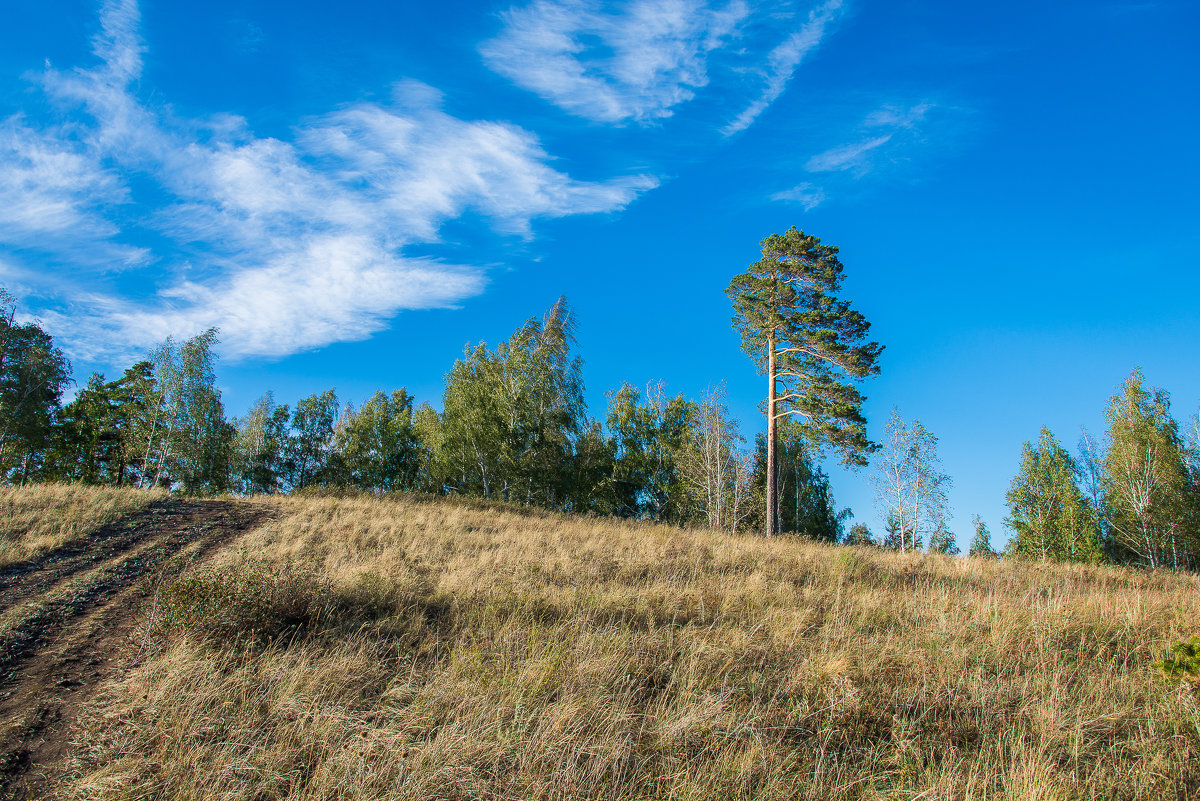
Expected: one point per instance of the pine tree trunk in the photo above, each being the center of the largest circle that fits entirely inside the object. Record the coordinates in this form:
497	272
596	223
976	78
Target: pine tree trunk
772	522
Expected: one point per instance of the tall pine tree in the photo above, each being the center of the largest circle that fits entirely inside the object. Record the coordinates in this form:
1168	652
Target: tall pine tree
810	343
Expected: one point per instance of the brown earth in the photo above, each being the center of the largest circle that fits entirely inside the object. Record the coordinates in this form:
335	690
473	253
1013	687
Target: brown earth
78	615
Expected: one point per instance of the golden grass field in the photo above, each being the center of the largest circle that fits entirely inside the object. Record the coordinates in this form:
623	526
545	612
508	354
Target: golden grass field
357	648
38	518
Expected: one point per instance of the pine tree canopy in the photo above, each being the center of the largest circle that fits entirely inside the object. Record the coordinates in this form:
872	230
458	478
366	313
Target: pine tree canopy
787	303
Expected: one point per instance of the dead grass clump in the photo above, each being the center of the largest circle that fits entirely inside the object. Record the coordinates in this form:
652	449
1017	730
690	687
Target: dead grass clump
462	653
38	518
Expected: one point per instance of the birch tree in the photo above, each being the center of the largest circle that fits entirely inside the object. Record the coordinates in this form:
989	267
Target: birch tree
1049	515
1145	477
910	487
717	472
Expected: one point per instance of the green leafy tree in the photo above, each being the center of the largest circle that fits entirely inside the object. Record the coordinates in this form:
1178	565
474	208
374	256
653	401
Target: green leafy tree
311	446
431	469
1146	479
378	444
718	476
511	416
810	343
897	537
261	447
589	487
33	375
649	435
87	441
981	544
1050	516
191	437
804	499
942	540
860	535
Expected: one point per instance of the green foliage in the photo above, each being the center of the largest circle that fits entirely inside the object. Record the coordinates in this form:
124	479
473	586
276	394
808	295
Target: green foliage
1182	663
1146	481
717	476
190	442
1051	518
911	487
900	538
262	448
511	416
33	375
805	503
787	311
981	545
648	438
378	445
311	446
942	540
860	535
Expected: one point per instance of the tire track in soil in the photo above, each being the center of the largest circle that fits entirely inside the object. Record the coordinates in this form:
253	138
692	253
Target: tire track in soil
57	655
24	580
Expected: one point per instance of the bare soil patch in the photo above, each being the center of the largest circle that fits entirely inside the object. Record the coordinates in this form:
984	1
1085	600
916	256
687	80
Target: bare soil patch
75	616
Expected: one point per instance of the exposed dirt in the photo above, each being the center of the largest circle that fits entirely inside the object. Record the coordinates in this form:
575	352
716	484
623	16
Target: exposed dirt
76	616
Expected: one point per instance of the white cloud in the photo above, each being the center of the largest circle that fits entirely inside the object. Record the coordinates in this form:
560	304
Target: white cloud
845	157
898	125
807	195
636	64
784	60
283	245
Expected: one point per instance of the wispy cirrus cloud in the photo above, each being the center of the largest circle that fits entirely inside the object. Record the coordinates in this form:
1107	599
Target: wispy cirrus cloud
639	61
885	125
885	136
805	194
784	60
633	64
284	245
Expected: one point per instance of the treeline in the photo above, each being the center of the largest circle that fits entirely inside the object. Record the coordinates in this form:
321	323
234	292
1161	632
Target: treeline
514	426
1133	499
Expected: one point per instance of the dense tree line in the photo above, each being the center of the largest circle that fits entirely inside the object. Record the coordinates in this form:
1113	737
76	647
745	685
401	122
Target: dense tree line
513	427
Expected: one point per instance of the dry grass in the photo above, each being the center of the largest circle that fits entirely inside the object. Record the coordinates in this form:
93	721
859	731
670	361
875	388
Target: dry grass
434	650
36	519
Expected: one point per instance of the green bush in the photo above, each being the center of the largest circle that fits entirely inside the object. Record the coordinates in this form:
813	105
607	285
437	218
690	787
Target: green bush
1183	663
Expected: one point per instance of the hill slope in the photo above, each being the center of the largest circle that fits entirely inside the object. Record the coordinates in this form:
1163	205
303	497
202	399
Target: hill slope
359	648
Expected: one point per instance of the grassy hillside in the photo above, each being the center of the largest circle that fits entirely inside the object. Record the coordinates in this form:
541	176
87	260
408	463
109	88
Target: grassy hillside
36	519
361	649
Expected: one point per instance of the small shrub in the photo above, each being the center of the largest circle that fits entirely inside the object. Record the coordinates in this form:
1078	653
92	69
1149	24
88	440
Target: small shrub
1183	663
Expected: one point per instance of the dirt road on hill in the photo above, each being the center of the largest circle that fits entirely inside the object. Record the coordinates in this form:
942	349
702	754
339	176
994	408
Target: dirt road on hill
76	616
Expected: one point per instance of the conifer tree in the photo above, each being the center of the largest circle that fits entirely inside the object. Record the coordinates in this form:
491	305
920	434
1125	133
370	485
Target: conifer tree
810	343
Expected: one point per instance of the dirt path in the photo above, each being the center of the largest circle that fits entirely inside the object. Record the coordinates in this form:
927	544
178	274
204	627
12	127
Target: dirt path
75	616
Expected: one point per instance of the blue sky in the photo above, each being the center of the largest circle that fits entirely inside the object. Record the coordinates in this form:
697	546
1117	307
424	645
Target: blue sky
353	191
